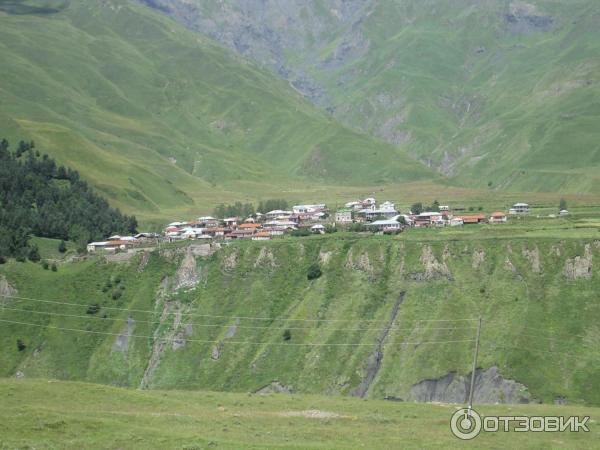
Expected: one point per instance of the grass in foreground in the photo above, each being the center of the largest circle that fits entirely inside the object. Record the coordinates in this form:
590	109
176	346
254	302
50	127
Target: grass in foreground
51	414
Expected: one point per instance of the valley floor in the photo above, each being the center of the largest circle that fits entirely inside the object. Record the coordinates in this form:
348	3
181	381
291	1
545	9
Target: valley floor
59	414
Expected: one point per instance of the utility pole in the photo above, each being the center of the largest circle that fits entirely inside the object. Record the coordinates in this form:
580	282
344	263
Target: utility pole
474	364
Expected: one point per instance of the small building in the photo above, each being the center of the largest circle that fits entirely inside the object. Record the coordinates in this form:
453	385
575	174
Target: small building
241	234
456	222
277	213
308	209
387	224
497	217
207	222
563	212
353	205
430	218
249	226
94	246
473	219
231	221
190	233
386	210
519	208
261	236
343	216
275	231
318	229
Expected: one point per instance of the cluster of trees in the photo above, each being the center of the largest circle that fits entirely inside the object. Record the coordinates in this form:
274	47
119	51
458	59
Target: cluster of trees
38	197
272	205
418	208
239	209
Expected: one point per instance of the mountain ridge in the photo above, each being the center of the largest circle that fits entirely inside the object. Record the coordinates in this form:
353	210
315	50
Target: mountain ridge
485	92
163	121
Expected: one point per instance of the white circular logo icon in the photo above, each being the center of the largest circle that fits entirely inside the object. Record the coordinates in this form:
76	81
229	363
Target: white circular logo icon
465	424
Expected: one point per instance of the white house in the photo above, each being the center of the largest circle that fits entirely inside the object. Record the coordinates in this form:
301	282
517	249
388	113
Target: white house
456	221
278	213
497	217
386	209
307	209
318	228
231	221
387	224
343	216
519	208
93	246
353	205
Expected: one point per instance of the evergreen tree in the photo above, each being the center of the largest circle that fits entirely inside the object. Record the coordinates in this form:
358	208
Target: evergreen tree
39	198
562	205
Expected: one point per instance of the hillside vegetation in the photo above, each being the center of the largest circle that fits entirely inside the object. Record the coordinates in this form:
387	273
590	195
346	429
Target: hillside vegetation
39	198
485	91
161	120
383	317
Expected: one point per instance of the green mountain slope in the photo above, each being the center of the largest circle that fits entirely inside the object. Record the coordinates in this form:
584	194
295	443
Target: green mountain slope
385	315
161	120
484	91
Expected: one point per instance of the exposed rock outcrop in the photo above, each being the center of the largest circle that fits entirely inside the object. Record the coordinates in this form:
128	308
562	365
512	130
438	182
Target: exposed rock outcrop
478	258
490	387
325	256
434	269
230	261
217	350
122	341
580	267
187	276
362	263
274	387
6	289
265	258
533	256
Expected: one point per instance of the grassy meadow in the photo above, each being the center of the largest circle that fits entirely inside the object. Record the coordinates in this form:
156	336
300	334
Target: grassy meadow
56	414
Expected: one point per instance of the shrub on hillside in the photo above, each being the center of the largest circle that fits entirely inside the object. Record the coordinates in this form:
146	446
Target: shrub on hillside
21	346
302	232
93	309
34	254
314	272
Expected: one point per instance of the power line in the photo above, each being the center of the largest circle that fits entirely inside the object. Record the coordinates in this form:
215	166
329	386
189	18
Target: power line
216	325
312	344
498	323
146	311
572	355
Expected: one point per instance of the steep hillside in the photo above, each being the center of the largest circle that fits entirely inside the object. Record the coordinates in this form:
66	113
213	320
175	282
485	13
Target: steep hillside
490	92
388	317
160	119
